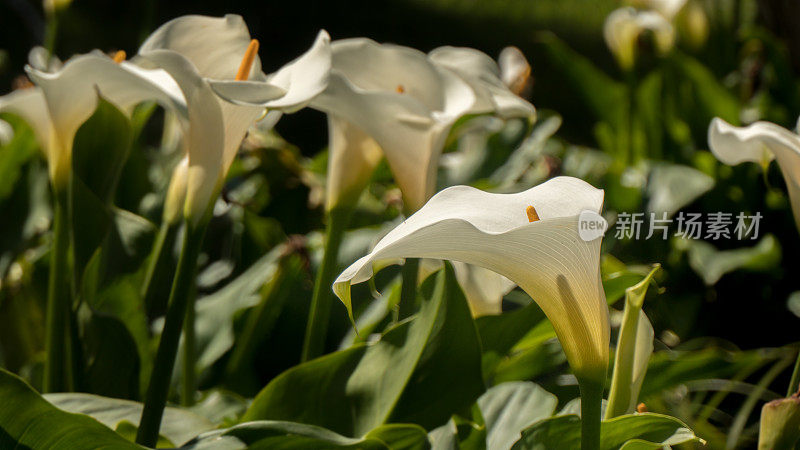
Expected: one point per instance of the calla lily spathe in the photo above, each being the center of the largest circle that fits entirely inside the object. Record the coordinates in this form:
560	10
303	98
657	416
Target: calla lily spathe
760	143
623	27
392	101
64	99
211	58
546	258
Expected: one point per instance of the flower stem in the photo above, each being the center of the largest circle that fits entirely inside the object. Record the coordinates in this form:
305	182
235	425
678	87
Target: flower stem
189	359
321	299
794	382
58	367
408	290
182	286
591	400
155	301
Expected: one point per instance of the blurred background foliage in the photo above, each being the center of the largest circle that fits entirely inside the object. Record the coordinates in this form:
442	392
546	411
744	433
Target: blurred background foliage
723	310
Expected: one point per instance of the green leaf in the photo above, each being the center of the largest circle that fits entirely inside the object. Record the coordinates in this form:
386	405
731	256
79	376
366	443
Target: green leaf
711	264
355	390
15	154
673	186
215	313
113	363
605	97
177	425
712	98
499	334
29	421
267	434
509	408
635	431
100	149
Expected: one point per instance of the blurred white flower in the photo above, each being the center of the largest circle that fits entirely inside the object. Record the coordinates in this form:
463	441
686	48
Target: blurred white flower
623	27
514	69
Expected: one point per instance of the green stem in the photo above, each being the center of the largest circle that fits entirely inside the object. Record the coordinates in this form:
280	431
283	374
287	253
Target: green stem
319	315
189	359
58	367
158	268
631	155
591	400
182	286
794	383
50	32
408	290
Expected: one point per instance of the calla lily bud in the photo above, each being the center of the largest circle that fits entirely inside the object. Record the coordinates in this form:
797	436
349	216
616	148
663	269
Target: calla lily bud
176	192
634	347
780	424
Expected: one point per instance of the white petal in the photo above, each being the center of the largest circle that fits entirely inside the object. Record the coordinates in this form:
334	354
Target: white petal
483	288
214	45
755	143
30	105
546	258
759	143
246	92
387	68
41	59
483	75
304	78
291	87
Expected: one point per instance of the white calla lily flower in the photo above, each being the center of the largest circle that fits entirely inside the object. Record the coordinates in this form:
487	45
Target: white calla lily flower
392	101
623	27
760	142
215	62
546	257
64	99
